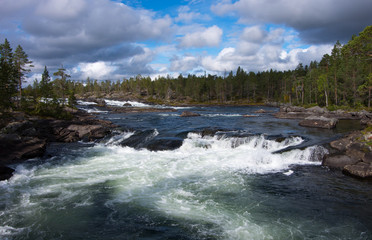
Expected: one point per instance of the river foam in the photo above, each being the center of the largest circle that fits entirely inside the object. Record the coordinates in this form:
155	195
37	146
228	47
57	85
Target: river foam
184	185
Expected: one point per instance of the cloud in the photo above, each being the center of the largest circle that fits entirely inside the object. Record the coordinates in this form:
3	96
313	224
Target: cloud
316	21
185	15
97	70
210	37
72	31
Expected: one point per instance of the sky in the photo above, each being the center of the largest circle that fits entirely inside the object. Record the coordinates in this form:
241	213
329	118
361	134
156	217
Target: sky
113	39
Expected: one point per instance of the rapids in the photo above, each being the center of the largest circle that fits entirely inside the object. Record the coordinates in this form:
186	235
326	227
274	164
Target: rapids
226	180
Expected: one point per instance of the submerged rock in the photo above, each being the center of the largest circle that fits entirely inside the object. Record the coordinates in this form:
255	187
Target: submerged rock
319	122
189	114
163	144
139	139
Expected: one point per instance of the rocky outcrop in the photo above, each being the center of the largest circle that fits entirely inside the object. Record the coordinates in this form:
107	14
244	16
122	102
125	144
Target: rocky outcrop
28	137
15	148
352	154
189	114
319	122
5	172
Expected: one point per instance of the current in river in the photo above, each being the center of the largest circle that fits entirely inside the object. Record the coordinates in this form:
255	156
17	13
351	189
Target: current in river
160	176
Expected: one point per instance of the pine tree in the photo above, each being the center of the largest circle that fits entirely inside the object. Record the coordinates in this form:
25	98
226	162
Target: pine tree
8	76
61	83
22	64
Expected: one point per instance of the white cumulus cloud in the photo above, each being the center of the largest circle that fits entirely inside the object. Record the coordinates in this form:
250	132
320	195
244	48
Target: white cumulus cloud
210	37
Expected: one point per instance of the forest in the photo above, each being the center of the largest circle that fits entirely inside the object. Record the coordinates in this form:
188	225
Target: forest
341	79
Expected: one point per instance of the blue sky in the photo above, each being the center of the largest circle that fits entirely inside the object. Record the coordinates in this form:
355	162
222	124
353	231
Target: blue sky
107	39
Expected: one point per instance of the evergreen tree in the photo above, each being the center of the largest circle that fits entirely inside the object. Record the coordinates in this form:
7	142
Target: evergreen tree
45	84
60	83
8	76
22	63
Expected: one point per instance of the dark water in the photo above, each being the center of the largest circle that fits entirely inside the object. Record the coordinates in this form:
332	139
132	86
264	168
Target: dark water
224	181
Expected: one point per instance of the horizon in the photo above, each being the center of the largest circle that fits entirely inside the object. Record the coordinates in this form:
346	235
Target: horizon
113	40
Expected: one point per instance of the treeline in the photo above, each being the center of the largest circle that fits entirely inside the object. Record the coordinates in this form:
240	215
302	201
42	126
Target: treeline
342	78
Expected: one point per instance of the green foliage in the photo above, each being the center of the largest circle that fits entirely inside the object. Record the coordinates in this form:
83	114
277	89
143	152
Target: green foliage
8	76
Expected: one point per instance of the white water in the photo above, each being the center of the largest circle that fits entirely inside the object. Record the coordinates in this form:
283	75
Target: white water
175	184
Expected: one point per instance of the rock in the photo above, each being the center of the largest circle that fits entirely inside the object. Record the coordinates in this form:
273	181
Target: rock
292	115
260	111
341	144
360	170
163	144
139	139
295	109
88	131
100	102
247	115
367	157
5	173
338	161
319	122
16	127
127	105
16	148
189	114
356	150
317	109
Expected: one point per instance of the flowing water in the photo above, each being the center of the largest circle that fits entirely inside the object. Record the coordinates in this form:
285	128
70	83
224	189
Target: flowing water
225	178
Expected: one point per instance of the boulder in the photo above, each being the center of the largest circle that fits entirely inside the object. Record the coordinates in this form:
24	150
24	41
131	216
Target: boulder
139	139
88	132
127	105
16	148
360	170
100	102
260	111
162	144
189	114
317	110
338	161
319	122
5	173
341	144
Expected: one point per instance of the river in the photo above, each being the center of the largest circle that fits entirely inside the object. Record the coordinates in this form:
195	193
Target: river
224	176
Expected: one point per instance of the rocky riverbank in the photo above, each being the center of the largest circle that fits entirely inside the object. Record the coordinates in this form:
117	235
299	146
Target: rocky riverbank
25	137
351	154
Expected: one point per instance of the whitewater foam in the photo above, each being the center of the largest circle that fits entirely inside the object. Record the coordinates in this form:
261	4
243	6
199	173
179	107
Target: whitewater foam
177	184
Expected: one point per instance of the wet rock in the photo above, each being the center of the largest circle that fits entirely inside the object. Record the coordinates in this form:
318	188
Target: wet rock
319	122
339	161
127	105
100	102
139	139
5	173
189	114
360	170
163	144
